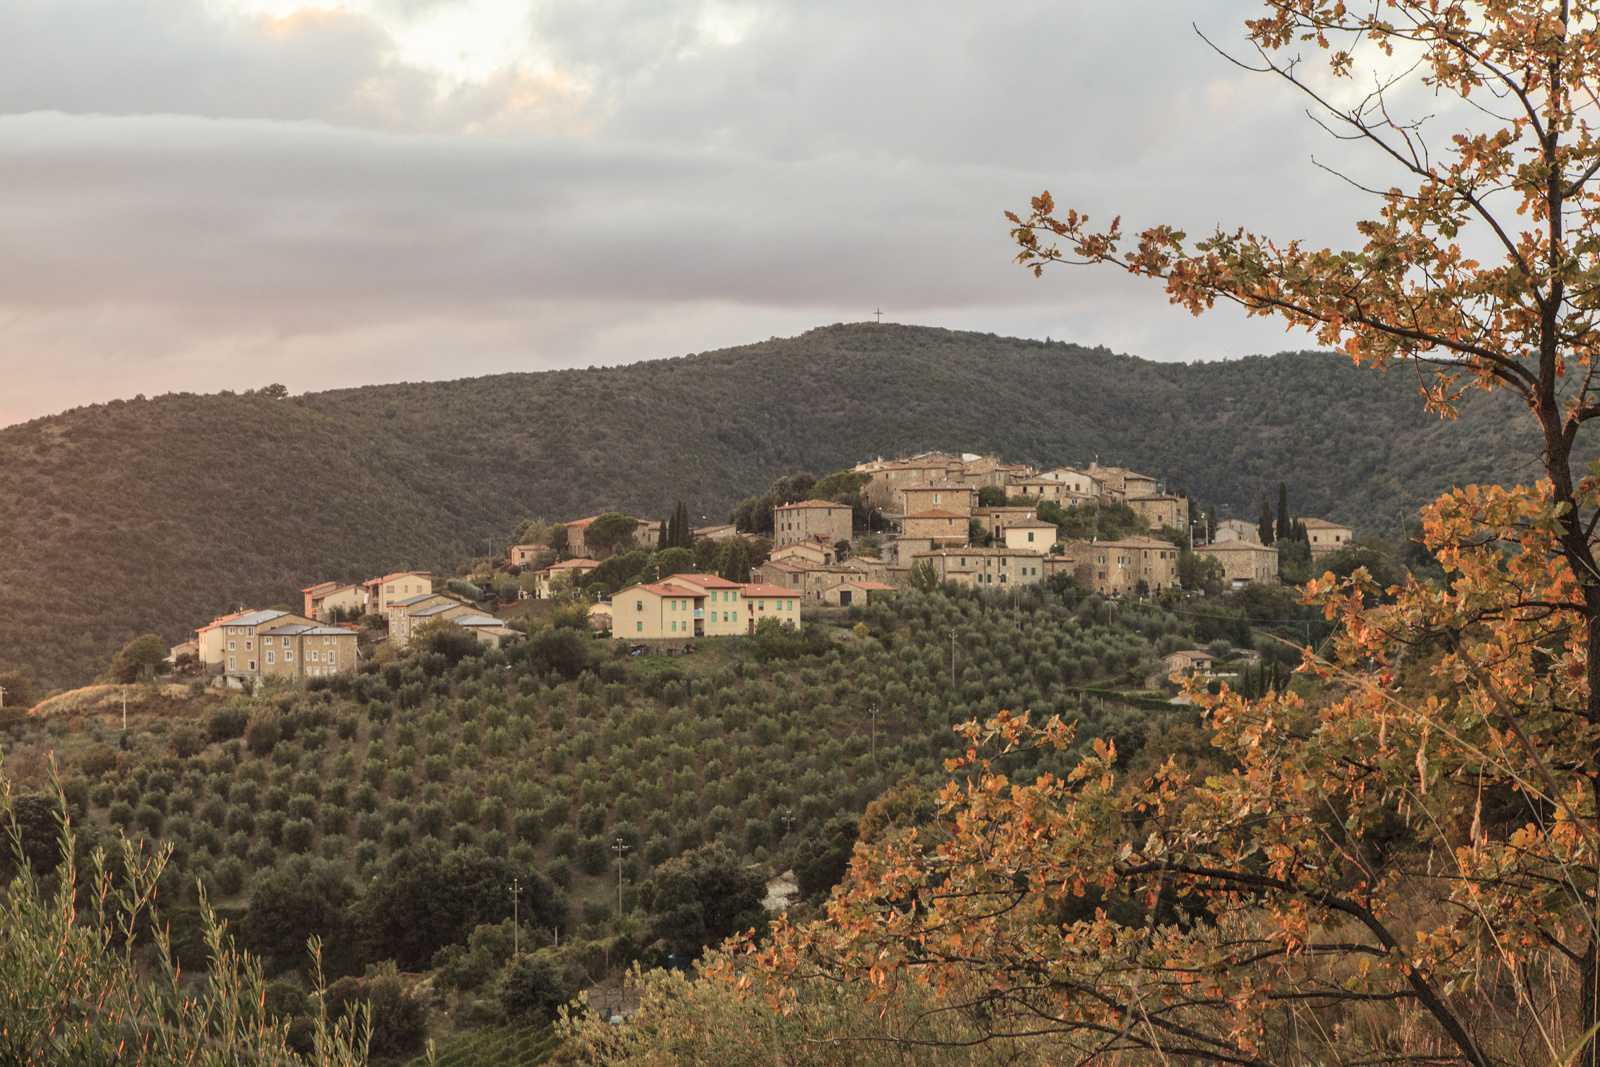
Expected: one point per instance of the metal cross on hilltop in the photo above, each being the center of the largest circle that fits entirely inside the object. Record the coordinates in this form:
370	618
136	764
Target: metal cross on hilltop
879	314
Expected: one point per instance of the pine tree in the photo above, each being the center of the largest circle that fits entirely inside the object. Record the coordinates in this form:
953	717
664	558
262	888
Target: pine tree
1264	524
1285	530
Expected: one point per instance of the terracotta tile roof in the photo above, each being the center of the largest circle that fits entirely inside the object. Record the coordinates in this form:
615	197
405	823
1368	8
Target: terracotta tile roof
1323	524
709	581
810	504
666	587
760	589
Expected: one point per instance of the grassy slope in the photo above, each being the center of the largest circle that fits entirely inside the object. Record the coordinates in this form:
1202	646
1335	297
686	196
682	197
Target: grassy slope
154	514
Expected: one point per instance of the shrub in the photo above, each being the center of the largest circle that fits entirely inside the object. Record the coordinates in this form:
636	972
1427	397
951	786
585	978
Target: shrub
534	986
229	875
262	734
430	818
299	835
464	805
397	835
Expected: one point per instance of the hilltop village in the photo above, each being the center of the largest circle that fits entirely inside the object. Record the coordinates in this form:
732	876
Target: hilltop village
882	526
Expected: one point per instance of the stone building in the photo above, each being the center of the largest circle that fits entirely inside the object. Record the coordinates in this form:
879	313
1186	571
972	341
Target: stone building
1326	536
1164	509
985	567
1243	561
807	520
1115	568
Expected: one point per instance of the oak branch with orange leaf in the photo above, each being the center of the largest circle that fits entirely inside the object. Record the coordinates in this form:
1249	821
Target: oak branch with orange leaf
1410	871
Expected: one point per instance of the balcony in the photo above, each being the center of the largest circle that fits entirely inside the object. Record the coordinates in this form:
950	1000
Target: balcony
699	613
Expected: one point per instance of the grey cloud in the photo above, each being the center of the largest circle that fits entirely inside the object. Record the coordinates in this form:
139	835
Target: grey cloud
185	200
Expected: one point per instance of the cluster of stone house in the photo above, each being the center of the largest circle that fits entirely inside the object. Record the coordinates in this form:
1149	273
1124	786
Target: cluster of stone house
244	645
932	499
249	644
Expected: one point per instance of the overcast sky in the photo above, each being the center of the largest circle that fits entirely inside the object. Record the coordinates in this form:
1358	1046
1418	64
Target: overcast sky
220	194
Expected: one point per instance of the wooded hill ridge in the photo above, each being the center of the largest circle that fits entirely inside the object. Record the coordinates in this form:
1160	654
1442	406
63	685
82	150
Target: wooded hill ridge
154	514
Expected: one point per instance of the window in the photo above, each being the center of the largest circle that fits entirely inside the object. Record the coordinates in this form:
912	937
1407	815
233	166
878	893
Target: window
233	664
388	589
231	646
761	605
674	625
252	664
791	606
1030	535
327	639
288	657
247	645
270	659
638	627
638	605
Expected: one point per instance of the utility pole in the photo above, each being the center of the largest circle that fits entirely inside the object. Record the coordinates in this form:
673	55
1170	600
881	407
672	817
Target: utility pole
875	739
788	821
619	848
516	922
2	696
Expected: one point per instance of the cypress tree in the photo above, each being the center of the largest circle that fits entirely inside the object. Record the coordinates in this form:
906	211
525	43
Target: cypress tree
685	531
1264	524
1285	530
663	535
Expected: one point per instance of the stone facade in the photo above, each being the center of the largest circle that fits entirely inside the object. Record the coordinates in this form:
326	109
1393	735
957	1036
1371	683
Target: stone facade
1115	568
1049	489
810	551
523	555
300	650
232	644
936	526
1238	530
1243	561
985	567
953	497
1162	510
1327	536
808	520
1079	483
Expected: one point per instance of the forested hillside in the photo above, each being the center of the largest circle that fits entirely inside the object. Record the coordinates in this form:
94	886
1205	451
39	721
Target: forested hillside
155	514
